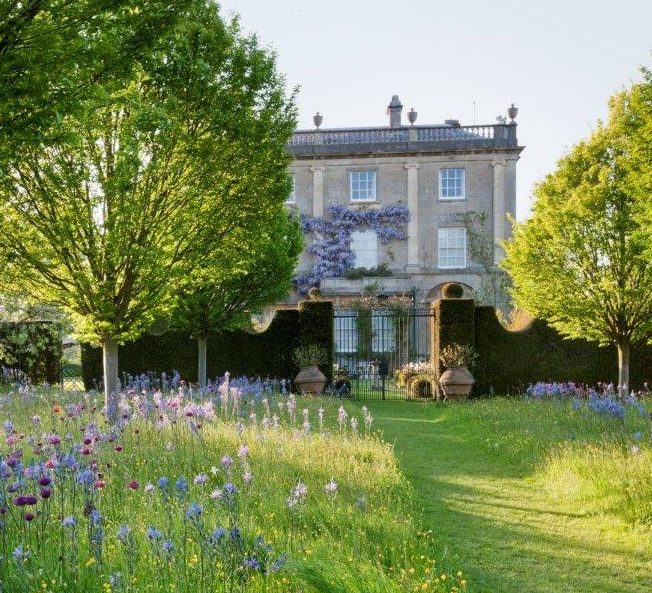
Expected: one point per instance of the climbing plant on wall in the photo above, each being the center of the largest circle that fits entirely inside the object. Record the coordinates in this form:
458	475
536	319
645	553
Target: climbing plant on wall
331	238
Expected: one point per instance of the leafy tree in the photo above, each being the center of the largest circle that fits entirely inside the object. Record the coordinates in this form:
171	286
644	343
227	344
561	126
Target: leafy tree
152	175
580	261
55	53
252	270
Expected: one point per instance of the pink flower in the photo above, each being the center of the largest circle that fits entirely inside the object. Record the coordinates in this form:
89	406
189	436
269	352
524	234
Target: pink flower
133	485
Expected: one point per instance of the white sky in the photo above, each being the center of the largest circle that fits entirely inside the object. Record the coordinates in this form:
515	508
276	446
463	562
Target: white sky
558	61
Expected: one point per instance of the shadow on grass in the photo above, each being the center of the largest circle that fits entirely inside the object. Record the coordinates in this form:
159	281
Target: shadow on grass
495	524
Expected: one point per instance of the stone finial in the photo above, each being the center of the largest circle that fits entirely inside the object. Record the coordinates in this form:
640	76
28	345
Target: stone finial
318	118
394	110
512	112
412	116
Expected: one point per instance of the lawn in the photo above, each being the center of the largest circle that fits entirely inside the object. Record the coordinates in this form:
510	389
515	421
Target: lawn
508	489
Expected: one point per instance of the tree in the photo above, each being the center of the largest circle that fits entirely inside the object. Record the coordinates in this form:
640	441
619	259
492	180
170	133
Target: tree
55	53
580	261
254	270
154	173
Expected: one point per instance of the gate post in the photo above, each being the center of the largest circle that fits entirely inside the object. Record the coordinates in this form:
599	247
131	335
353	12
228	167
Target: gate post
452	322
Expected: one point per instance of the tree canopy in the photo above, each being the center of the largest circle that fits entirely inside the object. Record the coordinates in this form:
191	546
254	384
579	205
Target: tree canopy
104	211
581	260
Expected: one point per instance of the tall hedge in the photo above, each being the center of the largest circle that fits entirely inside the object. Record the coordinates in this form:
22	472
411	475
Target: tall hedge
316	326
509	361
453	323
266	354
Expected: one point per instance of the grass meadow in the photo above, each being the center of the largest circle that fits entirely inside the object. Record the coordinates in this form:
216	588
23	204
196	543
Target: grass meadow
231	493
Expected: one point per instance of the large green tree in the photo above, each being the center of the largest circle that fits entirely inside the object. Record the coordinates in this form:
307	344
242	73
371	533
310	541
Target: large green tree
252	269
55	53
580	260
158	170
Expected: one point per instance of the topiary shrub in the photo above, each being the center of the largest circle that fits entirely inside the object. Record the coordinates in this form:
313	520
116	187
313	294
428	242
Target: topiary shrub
452	290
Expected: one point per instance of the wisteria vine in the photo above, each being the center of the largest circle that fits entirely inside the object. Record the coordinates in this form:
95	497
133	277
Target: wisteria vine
331	246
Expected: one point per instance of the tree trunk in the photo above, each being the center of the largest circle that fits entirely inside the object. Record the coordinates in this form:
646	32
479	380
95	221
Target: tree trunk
623	369
111	381
202	342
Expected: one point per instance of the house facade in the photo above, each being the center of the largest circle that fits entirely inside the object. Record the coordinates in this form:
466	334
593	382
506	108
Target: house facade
411	207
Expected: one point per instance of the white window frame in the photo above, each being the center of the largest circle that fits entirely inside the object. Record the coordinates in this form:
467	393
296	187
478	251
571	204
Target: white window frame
444	243
292	198
383	336
443	175
373	190
346	331
365	238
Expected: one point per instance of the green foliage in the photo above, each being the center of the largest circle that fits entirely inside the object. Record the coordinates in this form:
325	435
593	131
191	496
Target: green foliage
309	355
57	54
32	347
458	355
580	261
250	270
134	191
241	352
381	271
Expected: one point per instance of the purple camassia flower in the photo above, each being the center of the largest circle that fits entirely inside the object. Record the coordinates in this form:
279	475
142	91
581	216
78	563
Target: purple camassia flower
123	533
46	493
252	563
21	501
243	451
200	479
331	488
226	461
167	546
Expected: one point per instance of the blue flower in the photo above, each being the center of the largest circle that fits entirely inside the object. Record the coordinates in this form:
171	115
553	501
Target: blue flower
163	483
69	521
85	477
153	533
123	533
217	536
252	563
181	484
194	510
167	546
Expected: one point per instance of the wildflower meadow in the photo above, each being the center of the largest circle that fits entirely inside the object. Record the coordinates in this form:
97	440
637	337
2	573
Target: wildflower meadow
236	489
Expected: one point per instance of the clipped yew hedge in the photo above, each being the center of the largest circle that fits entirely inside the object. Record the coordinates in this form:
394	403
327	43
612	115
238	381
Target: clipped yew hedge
509	361
264	354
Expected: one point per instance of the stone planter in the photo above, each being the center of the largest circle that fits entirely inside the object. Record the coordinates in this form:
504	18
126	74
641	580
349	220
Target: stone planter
456	383
310	380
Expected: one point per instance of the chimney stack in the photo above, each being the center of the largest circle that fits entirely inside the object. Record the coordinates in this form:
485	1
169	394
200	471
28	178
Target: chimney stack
394	109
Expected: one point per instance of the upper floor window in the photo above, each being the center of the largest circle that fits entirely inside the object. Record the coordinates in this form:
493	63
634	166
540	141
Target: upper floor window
363	186
364	245
292	198
451	184
451	247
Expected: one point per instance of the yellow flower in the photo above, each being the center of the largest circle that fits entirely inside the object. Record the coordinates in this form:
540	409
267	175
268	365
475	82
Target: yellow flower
90	561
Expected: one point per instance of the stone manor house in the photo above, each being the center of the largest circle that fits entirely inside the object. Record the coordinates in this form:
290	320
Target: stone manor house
457	181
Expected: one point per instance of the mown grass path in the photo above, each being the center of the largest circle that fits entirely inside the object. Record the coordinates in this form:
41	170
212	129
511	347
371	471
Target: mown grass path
494	520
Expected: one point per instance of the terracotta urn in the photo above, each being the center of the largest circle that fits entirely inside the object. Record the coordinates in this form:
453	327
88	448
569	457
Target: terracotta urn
456	383
310	380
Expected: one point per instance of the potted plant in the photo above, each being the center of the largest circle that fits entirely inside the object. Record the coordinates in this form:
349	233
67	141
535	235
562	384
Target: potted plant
417	377
310	379
456	381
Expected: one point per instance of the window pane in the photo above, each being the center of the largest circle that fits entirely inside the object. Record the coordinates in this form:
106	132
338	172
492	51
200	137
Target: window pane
346	331
451	184
451	244
363	186
382	332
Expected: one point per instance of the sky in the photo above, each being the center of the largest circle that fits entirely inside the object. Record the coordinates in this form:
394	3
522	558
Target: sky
557	61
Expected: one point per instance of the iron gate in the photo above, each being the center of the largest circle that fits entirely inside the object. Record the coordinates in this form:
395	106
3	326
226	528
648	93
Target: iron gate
372	346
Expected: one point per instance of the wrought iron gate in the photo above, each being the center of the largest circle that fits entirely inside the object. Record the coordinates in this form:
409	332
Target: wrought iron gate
370	346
